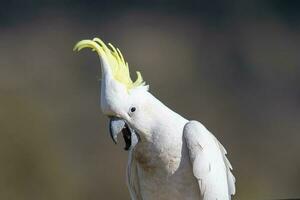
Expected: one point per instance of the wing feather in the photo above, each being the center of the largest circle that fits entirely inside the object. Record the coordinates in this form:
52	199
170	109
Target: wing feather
210	165
132	178
230	177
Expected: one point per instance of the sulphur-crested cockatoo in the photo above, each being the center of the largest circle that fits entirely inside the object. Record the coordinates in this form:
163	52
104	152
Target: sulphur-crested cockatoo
170	157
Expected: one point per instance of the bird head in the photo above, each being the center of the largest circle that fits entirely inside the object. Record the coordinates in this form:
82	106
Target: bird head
120	96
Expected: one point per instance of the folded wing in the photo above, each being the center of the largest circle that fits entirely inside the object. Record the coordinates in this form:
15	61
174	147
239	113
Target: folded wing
211	167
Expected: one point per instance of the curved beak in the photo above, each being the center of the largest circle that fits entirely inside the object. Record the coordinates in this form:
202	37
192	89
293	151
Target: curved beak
116	126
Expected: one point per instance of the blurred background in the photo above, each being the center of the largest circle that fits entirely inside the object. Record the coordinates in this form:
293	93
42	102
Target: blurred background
233	66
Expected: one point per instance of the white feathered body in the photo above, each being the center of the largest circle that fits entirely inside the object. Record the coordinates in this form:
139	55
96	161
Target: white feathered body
174	158
164	164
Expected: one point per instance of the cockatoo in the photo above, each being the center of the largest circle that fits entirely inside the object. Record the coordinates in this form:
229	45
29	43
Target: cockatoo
170	157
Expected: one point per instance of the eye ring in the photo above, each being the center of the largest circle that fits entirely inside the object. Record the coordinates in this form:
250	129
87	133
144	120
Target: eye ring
132	109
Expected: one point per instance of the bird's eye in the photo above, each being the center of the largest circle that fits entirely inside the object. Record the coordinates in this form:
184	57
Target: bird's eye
132	109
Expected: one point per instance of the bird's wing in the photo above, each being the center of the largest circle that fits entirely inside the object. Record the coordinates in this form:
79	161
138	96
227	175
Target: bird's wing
211	168
132	178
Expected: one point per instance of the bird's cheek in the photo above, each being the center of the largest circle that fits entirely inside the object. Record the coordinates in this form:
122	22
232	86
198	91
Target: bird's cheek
144	133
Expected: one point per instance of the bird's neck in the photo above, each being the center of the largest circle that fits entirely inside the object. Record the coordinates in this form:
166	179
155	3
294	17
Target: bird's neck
161	147
162	113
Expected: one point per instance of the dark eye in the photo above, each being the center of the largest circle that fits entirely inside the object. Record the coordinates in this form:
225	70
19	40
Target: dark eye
132	109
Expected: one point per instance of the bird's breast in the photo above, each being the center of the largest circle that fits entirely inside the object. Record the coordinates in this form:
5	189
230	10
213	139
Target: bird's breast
145	161
165	174
162	159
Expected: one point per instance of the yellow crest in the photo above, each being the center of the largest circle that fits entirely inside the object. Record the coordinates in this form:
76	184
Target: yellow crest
119	67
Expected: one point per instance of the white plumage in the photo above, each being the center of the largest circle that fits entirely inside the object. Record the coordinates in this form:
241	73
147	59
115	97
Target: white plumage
210	165
170	157
181	160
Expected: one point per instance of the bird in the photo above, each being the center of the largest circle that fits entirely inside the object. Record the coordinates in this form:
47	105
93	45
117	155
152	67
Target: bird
169	156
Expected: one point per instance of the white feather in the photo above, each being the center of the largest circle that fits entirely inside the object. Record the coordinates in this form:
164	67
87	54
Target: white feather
210	165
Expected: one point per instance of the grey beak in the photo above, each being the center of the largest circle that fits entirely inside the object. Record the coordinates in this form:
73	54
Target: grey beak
116	126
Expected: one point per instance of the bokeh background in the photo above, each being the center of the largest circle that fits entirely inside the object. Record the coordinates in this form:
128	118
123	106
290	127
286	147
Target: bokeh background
233	66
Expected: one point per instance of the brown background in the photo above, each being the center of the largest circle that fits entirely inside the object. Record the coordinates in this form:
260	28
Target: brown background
234	67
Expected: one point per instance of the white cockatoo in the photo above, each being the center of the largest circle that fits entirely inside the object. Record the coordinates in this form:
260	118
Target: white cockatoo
170	157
